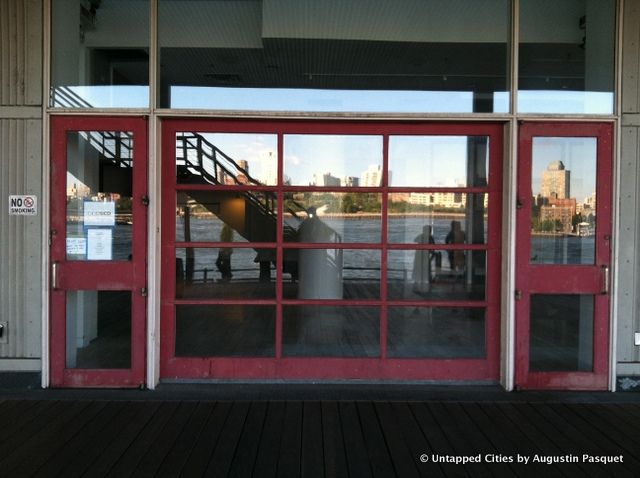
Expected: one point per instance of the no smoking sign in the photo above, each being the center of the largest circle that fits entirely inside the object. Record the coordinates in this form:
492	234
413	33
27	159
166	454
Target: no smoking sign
24	205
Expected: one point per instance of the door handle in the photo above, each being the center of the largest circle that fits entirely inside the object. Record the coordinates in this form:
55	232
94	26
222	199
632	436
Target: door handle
605	279
54	276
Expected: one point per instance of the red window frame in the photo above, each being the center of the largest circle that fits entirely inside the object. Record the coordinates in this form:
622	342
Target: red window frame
279	366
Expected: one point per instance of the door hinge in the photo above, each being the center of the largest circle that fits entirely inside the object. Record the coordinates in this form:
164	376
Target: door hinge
144	292
519	204
518	294
145	200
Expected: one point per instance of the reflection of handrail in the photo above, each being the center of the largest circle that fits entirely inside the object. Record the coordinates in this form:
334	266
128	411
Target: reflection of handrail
64	96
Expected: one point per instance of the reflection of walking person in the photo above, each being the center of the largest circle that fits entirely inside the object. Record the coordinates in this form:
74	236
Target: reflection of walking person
422	261
455	236
223	262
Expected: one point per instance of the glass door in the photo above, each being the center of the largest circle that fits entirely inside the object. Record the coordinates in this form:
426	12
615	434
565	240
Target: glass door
98	251
563	256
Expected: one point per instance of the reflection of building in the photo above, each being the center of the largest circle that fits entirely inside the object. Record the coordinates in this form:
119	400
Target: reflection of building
269	168
447	200
555	181
325	179
78	191
350	182
560	215
372	177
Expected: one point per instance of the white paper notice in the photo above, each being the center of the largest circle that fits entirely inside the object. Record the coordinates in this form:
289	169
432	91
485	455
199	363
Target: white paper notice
99	213
76	246
99	242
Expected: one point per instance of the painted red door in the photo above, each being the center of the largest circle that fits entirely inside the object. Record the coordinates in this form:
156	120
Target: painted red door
98	251
331	250
563	256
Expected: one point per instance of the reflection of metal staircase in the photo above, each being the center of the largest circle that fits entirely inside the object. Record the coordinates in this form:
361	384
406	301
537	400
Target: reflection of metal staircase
200	162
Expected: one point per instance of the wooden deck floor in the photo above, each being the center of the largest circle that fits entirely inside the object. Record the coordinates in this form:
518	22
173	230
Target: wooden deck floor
359	439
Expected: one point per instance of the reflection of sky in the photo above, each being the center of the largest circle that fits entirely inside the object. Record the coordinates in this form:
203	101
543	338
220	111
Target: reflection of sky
107	96
302	99
428	160
567	102
578	156
340	155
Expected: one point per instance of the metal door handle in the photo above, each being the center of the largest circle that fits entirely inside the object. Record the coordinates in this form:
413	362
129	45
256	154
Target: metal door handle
54	276
605	280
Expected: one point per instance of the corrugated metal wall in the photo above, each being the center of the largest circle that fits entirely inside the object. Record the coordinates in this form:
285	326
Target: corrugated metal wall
20	173
629	257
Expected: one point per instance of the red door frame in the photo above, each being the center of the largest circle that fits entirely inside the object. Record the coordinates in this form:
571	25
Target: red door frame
97	275
280	367
564	279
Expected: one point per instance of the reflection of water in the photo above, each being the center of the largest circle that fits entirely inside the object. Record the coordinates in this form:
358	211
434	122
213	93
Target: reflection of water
562	249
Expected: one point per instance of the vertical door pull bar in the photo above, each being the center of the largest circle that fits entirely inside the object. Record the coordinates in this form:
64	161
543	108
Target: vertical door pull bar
605	280
54	276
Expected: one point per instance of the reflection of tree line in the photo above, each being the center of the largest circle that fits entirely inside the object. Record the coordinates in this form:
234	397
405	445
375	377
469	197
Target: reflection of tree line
551	225
351	203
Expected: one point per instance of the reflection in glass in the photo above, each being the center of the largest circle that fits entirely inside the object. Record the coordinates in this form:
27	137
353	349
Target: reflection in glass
454	218
294	55
225	330
99	205
566	56
430	275
225	273
438	161
425	332
226	216
333	273
100	54
333	160
333	217
321	331
561	333
227	158
98	330
563	213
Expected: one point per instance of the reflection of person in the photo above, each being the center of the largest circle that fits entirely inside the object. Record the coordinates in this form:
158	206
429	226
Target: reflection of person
455	236
223	262
422	261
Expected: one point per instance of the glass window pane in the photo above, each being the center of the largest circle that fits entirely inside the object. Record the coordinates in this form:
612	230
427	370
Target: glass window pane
99	185
438	161
566	56
427	332
333	217
333	160
225	273
436	275
332	273
437	218
100	54
226	216
320	331
335	56
561	333
98	331
227	158
563	216
225	330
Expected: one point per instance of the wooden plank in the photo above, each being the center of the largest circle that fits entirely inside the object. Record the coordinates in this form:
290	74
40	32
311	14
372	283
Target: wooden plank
176	458
290	445
225	450
459	437
379	457
600	436
415	439
439	442
266	465
86	440
619	426
16	431
247	450
404	462
356	451
198	460
164	440
312	452
130	458
511	440
127	428
52	440
335	459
